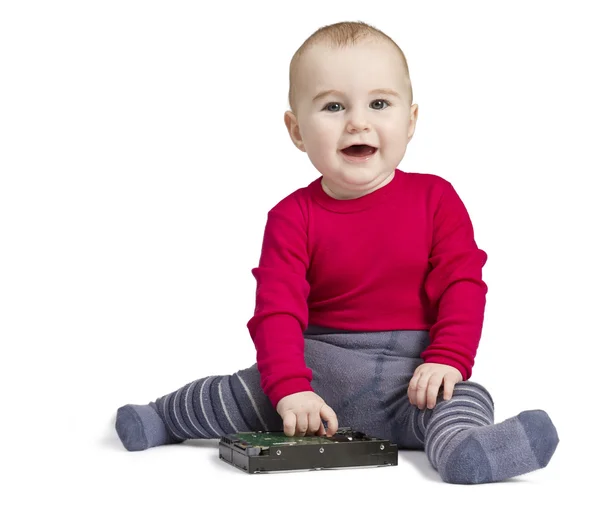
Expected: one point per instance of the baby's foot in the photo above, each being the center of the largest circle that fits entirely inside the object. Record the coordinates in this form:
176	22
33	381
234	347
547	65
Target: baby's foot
497	452
140	427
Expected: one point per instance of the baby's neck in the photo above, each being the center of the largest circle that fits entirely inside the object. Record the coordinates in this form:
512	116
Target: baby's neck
340	195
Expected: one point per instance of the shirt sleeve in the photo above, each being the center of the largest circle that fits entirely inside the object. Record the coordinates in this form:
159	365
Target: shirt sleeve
281	312
454	286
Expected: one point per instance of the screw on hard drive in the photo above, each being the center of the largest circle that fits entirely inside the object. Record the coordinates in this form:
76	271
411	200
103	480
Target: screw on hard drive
321	450
278	453
382	446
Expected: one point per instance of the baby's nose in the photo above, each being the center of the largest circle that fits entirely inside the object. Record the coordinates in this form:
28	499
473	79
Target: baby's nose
357	123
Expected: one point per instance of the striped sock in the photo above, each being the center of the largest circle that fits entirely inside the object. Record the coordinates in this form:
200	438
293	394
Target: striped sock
465	446
206	408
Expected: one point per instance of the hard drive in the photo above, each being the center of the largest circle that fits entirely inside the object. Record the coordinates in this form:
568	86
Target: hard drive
258	452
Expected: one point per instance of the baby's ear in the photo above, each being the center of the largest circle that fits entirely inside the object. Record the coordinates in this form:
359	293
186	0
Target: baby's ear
414	115
294	130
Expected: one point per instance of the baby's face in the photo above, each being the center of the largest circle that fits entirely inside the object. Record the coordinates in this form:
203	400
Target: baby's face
346	97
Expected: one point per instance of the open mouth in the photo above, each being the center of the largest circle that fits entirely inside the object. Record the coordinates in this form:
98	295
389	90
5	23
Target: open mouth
359	151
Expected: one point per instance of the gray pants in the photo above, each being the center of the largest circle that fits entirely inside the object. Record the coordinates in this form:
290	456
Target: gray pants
363	376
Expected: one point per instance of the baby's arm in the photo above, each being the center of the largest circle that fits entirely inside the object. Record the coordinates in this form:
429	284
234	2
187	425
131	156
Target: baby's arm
457	292
280	319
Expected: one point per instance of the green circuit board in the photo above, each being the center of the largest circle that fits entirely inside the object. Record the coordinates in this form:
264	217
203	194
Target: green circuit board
268	439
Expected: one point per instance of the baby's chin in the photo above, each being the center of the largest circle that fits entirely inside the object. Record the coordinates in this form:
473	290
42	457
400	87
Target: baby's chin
355	184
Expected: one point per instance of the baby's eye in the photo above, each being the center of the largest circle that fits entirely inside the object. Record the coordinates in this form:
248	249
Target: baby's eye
379	104
333	107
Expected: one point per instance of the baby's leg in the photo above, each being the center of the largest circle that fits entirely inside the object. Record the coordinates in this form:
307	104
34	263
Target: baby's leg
364	377
206	408
465	446
359	375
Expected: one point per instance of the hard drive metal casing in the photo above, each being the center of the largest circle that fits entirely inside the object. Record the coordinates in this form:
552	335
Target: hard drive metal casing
258	452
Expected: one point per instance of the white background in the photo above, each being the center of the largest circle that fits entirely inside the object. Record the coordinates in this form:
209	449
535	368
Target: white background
141	146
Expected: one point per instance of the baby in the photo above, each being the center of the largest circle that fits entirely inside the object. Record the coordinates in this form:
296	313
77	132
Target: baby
370	299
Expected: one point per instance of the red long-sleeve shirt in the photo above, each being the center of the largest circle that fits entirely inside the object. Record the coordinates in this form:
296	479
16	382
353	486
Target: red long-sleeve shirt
401	257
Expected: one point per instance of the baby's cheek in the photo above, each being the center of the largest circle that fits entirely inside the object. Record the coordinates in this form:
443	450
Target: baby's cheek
319	143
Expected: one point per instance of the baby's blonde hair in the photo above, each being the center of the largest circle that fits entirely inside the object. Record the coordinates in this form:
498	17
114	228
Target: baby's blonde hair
342	34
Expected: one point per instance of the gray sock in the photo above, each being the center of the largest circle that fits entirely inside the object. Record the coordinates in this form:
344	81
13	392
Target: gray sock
464	445
140	427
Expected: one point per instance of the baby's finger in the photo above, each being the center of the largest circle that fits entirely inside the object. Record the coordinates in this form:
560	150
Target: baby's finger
328	414
301	424
448	387
412	389
422	391
433	388
321	431
289	423
314	423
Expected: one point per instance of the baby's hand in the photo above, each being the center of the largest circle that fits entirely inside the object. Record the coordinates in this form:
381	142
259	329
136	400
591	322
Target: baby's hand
426	381
303	413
